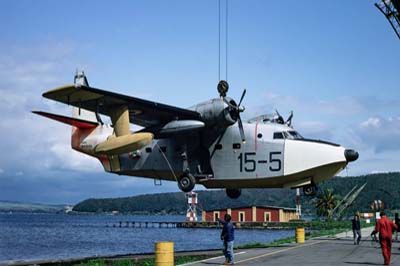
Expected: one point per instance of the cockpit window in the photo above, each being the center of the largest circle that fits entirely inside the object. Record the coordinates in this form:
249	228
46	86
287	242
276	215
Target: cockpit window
278	135
287	135
294	135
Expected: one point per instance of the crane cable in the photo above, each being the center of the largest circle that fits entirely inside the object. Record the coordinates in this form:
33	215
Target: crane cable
219	40
226	40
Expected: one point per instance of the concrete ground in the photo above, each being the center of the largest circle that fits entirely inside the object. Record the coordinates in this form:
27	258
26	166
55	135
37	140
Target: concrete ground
335	251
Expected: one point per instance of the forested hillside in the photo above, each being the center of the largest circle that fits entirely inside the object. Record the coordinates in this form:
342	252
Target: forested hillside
9	206
385	187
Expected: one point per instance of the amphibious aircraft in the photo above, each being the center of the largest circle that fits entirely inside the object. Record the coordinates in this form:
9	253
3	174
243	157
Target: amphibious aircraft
206	144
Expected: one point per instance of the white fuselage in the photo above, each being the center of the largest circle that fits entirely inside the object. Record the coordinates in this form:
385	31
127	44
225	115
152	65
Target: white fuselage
273	155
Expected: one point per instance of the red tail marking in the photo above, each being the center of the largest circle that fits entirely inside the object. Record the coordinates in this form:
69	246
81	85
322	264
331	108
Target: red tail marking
76	122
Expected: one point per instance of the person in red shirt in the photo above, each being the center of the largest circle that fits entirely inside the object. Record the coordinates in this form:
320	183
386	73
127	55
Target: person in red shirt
385	228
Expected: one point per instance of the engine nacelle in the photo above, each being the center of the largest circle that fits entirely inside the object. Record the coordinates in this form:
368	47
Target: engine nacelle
217	112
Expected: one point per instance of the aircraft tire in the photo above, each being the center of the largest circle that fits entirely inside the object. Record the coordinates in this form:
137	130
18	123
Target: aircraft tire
186	182
233	193
310	190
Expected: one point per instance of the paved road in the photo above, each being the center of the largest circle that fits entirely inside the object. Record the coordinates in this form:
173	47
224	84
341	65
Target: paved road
334	251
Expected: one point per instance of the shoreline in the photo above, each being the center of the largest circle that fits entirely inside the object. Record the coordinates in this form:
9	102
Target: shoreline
138	257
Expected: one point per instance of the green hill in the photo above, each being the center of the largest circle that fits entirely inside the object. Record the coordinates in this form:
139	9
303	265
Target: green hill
10	206
385	186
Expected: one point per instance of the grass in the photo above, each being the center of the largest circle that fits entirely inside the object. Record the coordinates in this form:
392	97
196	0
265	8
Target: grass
129	262
98	262
322	232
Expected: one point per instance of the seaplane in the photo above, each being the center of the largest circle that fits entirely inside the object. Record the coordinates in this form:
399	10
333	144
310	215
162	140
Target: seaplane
206	144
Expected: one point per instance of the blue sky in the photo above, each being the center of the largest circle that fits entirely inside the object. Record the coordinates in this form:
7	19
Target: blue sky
334	63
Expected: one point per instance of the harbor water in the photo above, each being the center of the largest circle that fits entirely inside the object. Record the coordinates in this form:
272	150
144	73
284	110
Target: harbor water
27	236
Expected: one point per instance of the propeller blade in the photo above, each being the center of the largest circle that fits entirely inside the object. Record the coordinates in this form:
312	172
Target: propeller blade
289	120
241	98
228	103
240	124
280	119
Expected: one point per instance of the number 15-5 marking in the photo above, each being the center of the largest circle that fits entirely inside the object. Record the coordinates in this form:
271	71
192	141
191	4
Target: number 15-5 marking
249	164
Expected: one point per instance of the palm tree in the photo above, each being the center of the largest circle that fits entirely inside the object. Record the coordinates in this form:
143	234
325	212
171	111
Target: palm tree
326	203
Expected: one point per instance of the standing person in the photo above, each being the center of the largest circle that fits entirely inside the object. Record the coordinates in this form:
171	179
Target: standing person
228	236
397	222
385	228
356	227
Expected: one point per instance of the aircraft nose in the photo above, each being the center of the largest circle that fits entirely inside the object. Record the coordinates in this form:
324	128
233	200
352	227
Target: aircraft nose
351	155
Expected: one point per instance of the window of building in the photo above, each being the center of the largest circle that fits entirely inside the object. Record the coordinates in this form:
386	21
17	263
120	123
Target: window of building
216	216
242	217
267	216
148	149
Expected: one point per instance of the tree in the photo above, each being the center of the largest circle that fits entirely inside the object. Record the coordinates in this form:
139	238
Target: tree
326	202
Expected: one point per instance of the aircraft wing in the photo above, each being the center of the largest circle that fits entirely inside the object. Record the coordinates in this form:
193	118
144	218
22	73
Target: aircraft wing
141	112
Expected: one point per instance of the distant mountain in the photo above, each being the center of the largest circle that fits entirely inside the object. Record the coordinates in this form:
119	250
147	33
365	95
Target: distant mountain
10	206
385	186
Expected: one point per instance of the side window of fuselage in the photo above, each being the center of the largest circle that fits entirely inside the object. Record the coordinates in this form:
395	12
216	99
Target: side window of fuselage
278	135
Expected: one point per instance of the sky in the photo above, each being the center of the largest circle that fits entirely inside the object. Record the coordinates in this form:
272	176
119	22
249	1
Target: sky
334	63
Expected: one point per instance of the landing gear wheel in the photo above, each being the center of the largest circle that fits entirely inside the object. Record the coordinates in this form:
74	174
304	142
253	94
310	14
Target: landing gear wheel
310	190
233	193
186	182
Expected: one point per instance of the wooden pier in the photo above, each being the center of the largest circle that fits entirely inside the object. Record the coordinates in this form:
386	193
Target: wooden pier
210	225
146	224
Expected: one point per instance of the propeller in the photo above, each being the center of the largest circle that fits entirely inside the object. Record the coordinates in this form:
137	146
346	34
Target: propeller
289	120
234	109
280	119
241	109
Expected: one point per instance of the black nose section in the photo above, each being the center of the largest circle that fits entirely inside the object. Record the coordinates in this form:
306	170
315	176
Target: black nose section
351	155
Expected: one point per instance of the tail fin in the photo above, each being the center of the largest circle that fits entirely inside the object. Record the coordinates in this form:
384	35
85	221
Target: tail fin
85	115
79	113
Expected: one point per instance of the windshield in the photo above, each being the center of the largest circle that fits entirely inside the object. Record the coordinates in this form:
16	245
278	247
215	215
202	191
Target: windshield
287	135
293	135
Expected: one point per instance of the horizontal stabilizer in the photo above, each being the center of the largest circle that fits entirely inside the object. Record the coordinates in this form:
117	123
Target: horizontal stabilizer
79	123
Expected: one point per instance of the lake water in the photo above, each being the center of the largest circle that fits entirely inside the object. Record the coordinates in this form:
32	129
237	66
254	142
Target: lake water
26	236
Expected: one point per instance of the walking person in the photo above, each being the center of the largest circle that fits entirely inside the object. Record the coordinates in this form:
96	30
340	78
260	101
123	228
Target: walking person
228	236
356	227
385	227
397	222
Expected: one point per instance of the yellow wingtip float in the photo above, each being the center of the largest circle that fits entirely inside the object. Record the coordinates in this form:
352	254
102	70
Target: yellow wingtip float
123	144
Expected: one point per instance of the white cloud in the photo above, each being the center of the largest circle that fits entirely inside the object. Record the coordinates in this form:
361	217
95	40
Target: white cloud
68	159
381	134
372	122
25	72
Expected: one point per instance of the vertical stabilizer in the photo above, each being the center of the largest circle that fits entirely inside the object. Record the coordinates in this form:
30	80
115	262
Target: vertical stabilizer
78	134
80	113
